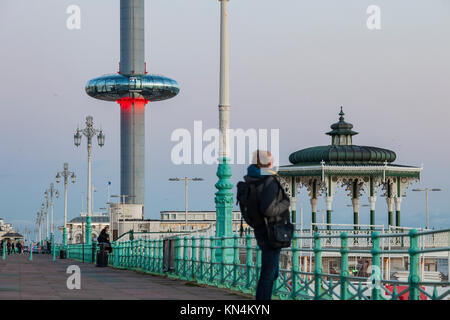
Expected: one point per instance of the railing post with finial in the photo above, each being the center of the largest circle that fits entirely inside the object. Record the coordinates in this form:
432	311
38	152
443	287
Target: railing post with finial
249	262
202	258
376	270
317	267
236	259
295	267
212	258
185	257
161	256
344	266
193	257
414	275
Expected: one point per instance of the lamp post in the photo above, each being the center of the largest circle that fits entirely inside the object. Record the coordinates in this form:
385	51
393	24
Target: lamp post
46	213
65	174
89	132
52	192
40	220
224	195
39	223
426	197
186	181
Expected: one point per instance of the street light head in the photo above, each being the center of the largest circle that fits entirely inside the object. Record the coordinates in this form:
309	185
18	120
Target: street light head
436	189
101	139
174	179
197	179
77	138
74	177
89	121
58	178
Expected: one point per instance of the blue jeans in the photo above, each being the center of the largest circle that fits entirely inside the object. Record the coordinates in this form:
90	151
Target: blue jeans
269	272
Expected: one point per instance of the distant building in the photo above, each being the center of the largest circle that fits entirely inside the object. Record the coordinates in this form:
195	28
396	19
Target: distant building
7	232
13	236
124	218
77	227
175	220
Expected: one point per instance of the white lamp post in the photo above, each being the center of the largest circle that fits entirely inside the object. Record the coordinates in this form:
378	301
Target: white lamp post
65	174
186	180
52	192
89	132
426	197
46	213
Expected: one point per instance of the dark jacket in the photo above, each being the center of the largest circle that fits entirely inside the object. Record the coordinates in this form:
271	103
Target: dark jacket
273	202
103	237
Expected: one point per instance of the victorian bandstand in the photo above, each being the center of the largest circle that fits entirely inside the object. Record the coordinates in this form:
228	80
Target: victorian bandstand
360	170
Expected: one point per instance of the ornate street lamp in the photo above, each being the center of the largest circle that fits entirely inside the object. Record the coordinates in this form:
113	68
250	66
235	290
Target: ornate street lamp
65	174
89	132
39	220
47	206
51	193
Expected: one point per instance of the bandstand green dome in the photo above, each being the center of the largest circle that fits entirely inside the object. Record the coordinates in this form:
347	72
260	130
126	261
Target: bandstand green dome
342	151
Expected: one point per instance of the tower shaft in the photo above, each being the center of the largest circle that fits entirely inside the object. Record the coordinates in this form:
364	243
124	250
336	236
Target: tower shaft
132	110
132	42
132	149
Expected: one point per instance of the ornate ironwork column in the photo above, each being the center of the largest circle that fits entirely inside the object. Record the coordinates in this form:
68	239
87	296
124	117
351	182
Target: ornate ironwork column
224	195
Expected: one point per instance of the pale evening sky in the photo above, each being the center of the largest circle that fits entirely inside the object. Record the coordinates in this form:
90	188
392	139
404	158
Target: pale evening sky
293	63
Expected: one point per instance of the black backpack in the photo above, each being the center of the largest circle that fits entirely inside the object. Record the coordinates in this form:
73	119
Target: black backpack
279	234
247	198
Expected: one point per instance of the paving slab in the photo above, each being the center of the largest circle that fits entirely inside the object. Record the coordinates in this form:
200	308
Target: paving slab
45	279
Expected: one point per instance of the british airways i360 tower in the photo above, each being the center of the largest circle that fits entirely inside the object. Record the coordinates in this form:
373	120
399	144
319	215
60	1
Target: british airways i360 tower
133	89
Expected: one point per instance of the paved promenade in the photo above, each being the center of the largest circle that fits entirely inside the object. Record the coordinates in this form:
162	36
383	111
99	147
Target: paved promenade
44	279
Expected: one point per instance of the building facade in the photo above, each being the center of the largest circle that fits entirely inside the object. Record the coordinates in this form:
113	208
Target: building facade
122	219
7	232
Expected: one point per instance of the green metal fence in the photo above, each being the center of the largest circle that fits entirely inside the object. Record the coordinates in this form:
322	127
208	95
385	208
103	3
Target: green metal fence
234	263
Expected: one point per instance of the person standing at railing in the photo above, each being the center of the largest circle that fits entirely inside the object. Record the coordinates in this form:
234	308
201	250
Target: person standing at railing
265	206
49	247
104	238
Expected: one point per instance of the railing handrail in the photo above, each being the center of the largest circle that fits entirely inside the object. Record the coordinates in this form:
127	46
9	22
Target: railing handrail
234	262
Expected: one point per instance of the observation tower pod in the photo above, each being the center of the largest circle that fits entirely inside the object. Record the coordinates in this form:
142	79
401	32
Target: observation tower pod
133	89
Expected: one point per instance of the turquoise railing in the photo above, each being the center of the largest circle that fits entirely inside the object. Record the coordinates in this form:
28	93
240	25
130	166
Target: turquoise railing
82	252
234	263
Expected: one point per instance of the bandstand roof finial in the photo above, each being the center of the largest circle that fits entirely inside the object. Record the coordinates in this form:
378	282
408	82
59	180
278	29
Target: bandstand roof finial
341	114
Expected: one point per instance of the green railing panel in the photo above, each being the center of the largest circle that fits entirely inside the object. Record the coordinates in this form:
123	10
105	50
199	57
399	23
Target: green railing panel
235	263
